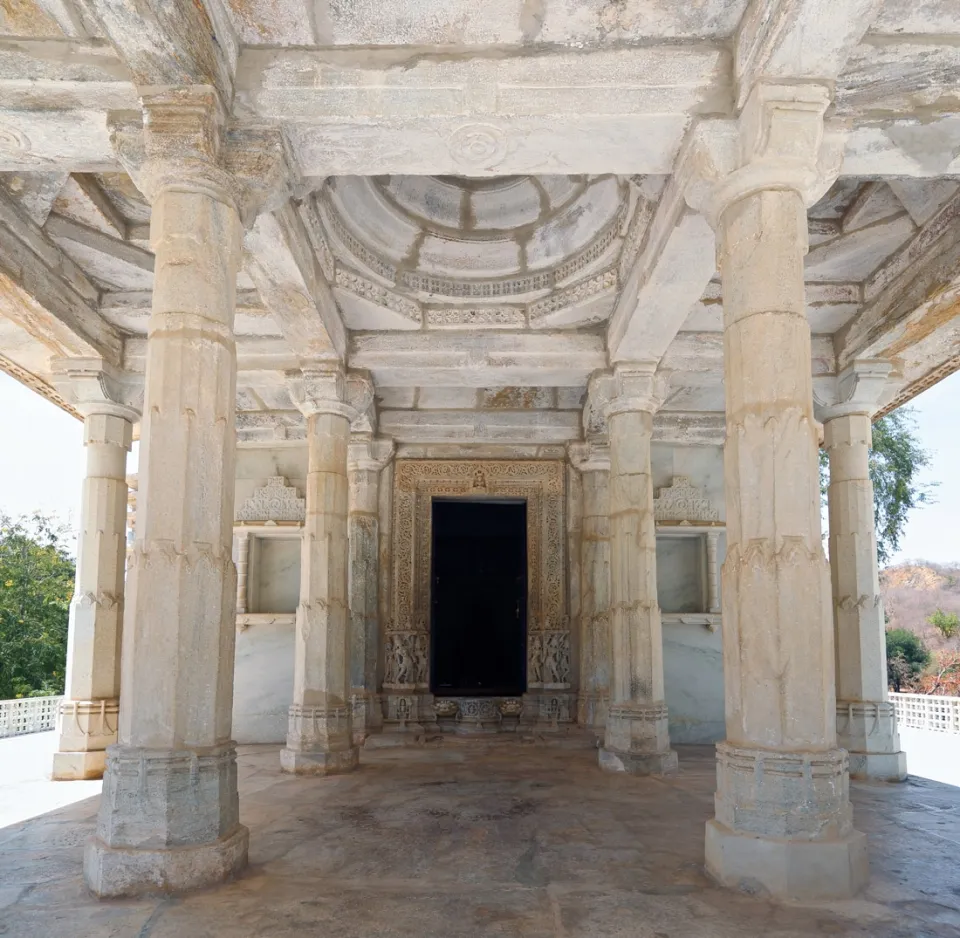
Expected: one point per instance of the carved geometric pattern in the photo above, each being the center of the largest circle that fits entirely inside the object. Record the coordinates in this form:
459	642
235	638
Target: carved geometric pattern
541	484
276	501
683	501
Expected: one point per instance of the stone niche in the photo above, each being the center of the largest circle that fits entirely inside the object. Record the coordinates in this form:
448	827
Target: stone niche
550	665
267	529
690	547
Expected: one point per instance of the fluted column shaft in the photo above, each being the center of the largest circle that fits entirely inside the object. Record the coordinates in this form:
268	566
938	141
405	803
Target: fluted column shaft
783	813
866	721
594	590
90	710
637	734
319	735
169	816
365	461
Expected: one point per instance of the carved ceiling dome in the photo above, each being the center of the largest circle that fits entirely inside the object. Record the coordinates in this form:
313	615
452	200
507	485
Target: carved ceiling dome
515	251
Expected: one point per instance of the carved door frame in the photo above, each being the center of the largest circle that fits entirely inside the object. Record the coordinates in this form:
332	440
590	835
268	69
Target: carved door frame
541	483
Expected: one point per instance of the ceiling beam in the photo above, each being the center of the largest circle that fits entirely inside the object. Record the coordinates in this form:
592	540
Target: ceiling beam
171	45
797	40
552	359
283	265
676	261
914	293
48	294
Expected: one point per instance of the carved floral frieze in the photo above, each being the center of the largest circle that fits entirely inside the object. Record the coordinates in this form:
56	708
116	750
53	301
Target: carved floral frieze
682	502
275	501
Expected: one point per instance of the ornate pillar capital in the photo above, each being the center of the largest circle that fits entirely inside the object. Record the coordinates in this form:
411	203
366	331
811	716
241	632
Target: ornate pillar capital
592	456
369	455
600	389
97	388
637	386
859	389
181	144
320	389
360	396
780	141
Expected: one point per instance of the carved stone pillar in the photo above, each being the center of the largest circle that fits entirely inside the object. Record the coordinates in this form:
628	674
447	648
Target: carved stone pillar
169	815
593	462
637	735
783	818
365	460
713	573
243	569
866	721
90	709
319	735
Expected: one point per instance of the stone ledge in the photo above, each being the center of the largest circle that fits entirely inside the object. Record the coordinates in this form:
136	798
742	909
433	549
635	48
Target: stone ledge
112	872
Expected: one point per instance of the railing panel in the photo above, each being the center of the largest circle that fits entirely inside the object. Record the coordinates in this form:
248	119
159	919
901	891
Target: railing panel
28	715
927	712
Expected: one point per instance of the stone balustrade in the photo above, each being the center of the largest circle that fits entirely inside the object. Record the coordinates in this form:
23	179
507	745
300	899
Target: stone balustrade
927	712
28	715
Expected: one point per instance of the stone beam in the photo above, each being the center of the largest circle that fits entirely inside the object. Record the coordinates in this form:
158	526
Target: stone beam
912	295
171	45
283	266
47	294
553	359
62	228
797	39
677	258
680	428
485	112
473	426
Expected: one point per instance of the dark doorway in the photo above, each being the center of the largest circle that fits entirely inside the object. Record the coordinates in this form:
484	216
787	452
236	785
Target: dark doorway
478	628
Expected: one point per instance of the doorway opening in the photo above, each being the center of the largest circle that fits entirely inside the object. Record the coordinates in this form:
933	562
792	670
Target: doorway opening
478	628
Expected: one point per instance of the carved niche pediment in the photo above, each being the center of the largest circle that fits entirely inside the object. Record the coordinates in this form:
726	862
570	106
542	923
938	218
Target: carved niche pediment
682	502
275	501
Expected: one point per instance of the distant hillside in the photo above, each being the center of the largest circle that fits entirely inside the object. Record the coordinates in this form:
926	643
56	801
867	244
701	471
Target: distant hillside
912	591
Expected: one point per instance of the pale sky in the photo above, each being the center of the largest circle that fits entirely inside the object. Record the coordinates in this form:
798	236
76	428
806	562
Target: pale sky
42	464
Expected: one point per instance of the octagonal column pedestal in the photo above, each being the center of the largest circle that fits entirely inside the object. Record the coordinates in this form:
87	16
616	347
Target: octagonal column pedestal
783	820
319	735
365	461
866	721
169	815
593	462
637	738
90	709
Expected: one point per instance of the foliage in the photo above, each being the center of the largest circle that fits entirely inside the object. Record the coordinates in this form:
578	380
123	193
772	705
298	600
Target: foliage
896	458
946	623
907	656
36	584
943	675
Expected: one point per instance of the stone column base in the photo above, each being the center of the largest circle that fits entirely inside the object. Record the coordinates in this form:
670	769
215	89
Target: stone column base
868	731
878	766
787	869
74	766
319	762
638	763
637	740
319	741
169	821
112	872
366	715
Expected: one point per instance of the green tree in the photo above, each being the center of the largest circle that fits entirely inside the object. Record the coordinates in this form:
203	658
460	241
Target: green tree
36	585
896	459
946	623
907	656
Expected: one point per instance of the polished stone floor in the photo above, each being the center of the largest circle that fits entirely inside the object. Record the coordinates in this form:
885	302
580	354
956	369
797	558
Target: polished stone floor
467	839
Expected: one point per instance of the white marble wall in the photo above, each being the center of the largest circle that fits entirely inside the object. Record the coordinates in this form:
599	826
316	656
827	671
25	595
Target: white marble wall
263	681
278	574
680	574
256	463
693	682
